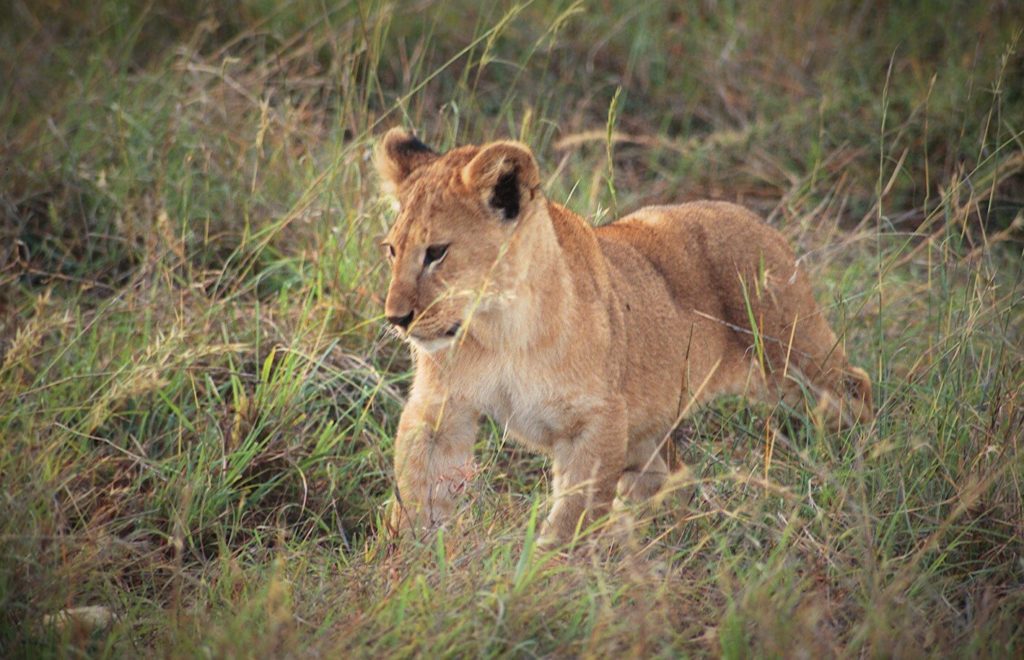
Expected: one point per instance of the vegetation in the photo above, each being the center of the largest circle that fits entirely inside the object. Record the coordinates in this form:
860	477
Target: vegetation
198	398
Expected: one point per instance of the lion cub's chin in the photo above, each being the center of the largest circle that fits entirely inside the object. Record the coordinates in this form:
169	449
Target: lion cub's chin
432	345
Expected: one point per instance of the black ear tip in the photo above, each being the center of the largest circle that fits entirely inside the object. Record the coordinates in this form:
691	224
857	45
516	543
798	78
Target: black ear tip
505	196
411	146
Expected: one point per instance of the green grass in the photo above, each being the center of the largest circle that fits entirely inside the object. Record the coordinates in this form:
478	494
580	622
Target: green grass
198	400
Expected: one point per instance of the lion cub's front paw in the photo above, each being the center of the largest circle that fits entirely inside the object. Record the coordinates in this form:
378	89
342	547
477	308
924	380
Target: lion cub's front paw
550	543
395	523
616	532
405	522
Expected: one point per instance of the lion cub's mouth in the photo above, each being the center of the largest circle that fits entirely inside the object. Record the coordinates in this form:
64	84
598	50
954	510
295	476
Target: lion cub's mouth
434	344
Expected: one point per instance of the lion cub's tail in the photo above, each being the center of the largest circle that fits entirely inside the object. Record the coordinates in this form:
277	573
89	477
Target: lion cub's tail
858	390
848	404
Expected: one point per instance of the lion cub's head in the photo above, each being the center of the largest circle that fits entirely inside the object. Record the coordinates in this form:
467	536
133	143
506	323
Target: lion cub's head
455	245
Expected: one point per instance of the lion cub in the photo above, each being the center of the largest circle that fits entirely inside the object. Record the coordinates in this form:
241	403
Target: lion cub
585	343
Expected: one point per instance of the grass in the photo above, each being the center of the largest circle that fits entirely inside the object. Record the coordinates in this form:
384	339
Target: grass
197	398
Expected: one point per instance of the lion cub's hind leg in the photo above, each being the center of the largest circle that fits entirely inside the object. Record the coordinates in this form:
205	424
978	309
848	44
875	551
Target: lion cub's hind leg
644	476
784	335
815	371
645	473
837	397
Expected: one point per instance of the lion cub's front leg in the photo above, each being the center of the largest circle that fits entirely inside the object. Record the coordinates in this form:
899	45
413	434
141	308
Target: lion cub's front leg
433	459
586	469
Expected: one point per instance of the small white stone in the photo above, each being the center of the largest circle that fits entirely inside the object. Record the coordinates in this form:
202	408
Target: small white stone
89	617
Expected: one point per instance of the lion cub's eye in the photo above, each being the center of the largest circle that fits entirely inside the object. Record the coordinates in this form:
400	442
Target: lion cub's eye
435	253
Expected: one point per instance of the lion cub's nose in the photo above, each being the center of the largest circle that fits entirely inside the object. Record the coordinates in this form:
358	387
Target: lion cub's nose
401	321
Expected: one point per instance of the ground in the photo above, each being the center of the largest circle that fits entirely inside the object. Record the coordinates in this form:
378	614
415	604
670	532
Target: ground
198	397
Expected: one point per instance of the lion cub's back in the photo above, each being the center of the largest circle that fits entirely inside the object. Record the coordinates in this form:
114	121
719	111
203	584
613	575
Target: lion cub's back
704	249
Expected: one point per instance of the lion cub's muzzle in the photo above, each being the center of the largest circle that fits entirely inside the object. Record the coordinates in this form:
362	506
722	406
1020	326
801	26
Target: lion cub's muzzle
424	332
432	343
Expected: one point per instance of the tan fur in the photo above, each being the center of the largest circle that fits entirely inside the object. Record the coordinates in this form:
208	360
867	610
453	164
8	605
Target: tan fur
584	343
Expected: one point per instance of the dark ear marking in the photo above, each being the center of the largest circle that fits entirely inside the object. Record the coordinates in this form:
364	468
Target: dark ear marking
501	173
505	196
411	147
398	154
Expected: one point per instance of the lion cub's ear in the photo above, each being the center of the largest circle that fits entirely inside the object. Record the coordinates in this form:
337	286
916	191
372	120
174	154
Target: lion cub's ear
398	153
506	175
